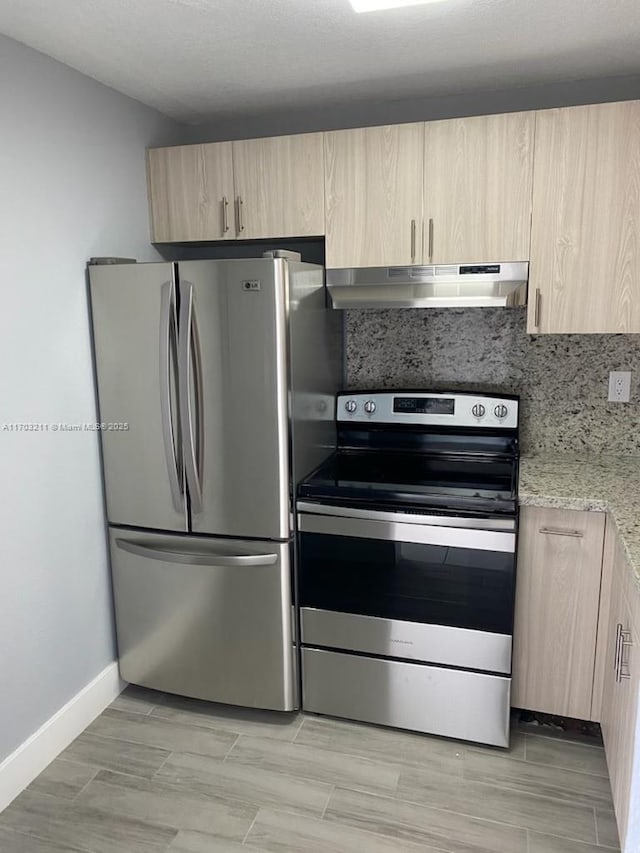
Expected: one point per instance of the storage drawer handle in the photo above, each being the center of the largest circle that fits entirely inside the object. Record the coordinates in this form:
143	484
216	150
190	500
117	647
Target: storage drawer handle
558	531
212	559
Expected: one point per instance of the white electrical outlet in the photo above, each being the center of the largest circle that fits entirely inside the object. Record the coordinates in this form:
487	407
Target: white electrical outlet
619	386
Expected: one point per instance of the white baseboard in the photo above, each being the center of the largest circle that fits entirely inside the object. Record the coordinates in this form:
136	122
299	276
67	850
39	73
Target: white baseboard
29	760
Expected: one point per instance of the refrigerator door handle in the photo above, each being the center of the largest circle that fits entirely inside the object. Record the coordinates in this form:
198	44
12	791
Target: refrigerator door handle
208	559
188	369
168	336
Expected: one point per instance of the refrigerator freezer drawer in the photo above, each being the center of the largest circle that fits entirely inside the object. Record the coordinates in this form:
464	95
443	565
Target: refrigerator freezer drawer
437	700
204	617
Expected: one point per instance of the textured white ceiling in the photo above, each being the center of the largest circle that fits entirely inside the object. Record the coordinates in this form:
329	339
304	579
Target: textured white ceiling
195	59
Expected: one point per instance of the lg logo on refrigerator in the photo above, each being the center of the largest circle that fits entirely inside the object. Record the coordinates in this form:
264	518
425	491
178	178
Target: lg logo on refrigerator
252	284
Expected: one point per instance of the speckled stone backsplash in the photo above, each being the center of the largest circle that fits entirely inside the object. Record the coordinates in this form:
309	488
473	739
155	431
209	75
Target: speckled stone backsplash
562	379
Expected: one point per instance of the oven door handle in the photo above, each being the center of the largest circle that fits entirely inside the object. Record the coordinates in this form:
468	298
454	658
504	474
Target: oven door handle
395	531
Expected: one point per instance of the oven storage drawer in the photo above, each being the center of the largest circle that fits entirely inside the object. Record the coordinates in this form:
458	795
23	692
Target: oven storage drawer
428	643
447	702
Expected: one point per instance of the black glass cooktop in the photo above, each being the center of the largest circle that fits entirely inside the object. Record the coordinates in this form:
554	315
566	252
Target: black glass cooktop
392	478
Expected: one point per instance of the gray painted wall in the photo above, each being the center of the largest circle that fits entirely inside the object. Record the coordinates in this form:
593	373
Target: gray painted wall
562	379
373	111
73	185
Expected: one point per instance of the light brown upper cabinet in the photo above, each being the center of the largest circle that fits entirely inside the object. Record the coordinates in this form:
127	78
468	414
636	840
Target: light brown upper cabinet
585	249
190	192
477	188
250	189
373	196
556	616
279	186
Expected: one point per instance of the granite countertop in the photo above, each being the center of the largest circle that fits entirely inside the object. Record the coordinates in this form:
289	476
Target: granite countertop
588	482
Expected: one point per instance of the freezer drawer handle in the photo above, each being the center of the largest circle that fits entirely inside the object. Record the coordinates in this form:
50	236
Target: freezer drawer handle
210	559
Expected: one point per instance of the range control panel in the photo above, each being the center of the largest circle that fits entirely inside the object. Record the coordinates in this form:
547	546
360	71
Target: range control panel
430	409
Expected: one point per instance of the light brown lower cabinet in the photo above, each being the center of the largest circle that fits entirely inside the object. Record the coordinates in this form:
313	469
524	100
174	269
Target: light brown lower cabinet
556	616
577	639
620	689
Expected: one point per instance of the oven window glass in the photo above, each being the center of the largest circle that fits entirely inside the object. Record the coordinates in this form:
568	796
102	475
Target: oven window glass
459	587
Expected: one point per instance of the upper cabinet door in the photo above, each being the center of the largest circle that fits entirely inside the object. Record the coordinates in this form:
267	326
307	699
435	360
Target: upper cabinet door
585	250
279	185
191	192
477	189
374	196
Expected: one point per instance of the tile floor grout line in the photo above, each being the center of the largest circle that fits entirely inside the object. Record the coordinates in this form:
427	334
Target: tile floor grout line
595	821
326	805
419	845
411	826
86	785
502	786
299	728
469	816
228	752
255	818
562	740
161	766
560	767
197	724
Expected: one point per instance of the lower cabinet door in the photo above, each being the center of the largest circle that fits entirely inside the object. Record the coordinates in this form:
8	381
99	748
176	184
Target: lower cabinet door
620	694
556	617
204	617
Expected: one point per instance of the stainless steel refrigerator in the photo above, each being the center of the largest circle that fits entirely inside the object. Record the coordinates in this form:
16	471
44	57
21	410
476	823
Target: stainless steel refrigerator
216	383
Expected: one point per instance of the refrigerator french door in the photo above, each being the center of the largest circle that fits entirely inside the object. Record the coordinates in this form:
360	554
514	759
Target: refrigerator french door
193	373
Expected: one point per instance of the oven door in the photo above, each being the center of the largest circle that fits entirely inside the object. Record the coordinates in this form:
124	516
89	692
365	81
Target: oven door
434	589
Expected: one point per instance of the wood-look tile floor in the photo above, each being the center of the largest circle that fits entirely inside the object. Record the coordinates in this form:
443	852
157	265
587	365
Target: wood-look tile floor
159	774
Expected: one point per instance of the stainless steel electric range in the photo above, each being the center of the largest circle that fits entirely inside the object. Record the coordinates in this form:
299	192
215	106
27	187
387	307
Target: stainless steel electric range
407	559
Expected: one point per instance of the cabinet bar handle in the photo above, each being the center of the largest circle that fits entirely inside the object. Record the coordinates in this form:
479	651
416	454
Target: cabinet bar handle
557	531
430	240
536	313
617	650
625	643
225	214
413	240
239	209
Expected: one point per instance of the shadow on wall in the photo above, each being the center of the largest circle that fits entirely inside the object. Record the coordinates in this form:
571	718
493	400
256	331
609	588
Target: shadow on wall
562	379
311	249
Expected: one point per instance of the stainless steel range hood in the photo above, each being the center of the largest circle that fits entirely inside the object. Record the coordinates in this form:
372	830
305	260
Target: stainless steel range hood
501	285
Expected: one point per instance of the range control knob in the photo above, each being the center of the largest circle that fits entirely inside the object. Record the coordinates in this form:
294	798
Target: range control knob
369	407
351	406
478	410
501	411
